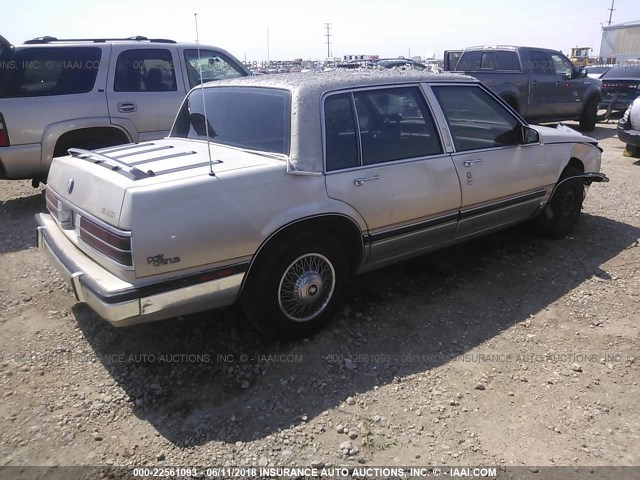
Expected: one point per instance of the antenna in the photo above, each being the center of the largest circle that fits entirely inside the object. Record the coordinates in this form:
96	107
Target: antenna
204	104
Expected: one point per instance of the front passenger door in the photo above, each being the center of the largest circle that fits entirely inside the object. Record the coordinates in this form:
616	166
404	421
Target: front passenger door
502	181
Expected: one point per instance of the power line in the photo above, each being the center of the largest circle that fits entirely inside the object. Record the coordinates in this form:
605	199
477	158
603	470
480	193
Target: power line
328	35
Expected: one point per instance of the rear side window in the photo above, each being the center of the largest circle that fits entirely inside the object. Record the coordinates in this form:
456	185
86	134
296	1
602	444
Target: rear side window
145	70
340	133
507	60
395	124
540	62
34	72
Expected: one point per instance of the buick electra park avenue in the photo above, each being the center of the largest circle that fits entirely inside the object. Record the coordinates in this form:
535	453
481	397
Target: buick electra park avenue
273	192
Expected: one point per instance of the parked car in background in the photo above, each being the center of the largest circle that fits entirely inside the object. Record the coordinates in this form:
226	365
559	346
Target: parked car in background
596	71
540	84
620	86
90	93
275	191
629	128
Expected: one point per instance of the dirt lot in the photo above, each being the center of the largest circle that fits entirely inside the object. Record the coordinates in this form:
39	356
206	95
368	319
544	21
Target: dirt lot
510	350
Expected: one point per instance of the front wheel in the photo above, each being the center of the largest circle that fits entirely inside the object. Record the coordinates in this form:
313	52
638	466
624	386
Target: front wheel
562	212
298	287
589	115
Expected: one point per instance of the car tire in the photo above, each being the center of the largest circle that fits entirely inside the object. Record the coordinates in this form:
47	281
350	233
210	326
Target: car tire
634	150
298	286
589	115
563	210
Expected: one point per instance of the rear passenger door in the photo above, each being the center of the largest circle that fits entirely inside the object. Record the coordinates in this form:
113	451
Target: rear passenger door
144	90
383	157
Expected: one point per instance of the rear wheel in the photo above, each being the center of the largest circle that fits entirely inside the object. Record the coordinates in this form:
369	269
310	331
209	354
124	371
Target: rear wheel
298	286
562	212
589	115
633	150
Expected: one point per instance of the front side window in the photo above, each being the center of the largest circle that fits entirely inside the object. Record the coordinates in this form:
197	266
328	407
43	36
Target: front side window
476	120
252	118
215	66
561	65
145	70
33	72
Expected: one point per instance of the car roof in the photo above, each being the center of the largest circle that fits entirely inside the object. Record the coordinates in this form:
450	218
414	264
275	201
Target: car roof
321	82
307	90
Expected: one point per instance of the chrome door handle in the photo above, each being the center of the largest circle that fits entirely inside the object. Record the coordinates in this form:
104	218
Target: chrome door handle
127	107
358	182
468	163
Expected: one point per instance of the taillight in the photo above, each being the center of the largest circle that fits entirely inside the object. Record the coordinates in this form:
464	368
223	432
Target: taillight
55	206
114	245
4	134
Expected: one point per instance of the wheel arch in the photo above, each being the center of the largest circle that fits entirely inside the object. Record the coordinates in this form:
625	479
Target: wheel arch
54	132
338	225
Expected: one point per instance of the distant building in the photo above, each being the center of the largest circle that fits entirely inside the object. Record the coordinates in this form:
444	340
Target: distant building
620	42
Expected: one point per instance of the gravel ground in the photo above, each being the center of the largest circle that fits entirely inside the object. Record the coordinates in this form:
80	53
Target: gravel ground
509	350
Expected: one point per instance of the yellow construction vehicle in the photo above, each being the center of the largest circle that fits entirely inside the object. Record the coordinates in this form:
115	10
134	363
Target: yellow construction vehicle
580	56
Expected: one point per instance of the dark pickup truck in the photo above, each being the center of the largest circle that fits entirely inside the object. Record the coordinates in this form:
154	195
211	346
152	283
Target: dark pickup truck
541	85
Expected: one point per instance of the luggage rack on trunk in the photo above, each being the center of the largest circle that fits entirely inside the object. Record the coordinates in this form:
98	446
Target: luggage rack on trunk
129	170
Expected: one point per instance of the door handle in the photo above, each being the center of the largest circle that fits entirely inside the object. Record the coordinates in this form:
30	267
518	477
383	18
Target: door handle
358	182
534	83
468	163
127	107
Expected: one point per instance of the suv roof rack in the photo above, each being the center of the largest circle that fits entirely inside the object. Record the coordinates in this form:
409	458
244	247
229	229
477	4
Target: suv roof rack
137	38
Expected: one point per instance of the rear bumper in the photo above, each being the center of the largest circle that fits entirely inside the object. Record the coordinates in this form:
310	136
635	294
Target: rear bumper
629	136
121	303
21	161
620	101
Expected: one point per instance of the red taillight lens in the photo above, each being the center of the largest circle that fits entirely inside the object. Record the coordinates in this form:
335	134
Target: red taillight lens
4	135
117	247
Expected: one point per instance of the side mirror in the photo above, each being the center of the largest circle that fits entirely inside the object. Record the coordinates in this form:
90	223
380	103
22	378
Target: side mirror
528	135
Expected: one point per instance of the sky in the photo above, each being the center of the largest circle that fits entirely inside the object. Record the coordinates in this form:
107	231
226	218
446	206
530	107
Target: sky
257	30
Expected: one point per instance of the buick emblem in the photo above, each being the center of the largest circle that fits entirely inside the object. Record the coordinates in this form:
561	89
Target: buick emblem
70	185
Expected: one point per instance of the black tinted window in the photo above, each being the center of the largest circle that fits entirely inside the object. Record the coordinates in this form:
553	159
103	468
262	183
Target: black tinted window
253	118
395	124
340	133
469	61
539	62
476	120
145	70
49	71
507	60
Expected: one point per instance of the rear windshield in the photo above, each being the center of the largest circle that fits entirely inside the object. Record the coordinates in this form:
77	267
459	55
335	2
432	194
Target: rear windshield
623	72
33	72
253	118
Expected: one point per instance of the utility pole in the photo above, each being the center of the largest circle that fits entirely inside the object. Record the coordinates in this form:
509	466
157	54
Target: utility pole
328	35
268	53
611	11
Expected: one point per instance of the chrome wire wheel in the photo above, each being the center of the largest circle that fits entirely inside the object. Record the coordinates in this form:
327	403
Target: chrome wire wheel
306	287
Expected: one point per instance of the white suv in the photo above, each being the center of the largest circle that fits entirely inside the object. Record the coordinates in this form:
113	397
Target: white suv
56	94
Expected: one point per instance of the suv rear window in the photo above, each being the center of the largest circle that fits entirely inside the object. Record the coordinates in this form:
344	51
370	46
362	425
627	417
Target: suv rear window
33	72
252	118
632	73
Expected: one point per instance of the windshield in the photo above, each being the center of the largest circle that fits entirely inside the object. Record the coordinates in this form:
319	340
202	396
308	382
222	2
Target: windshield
252	118
623	72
